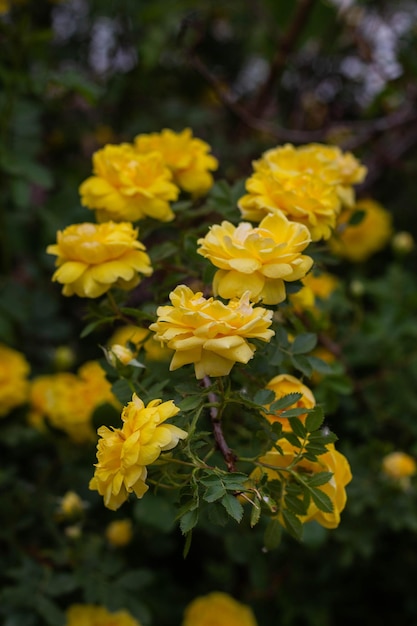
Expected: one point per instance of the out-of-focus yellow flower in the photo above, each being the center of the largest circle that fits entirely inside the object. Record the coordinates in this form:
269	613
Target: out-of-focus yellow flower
123	454
218	609
257	260
14	384
92	615
357	242
128	186
70	505
398	465
93	258
208	333
331	461
186	156
135	335
308	184
282	385
4	6
403	242
119	533
68	400
314	286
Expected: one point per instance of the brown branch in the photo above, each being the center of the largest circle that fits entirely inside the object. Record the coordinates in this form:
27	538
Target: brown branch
228	455
285	47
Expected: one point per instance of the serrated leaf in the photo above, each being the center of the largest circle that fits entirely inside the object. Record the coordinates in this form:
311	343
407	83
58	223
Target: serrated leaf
263	397
321	478
214	492
306	342
188	521
190	403
285	401
314	419
272	535
321	500
235	481
295	504
298	427
255	513
232	506
293	439
292	524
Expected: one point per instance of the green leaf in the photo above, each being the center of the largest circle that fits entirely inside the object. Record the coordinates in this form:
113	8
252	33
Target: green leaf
272	535
314	419
306	342
232	506
321	500
162	251
321	478
255	513
188	521
298	427
295	504
213	493
356	217
49	611
294	441
190	403
263	397
136	579
285	401
292	524
302	363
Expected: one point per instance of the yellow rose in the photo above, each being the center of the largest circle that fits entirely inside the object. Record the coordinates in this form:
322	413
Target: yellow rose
130	334
14	384
92	615
123	454
398	465
93	258
314	286
128	186
257	260
119	533
70	505
186	156
331	461
282	385
307	184
208	333
218	609
357	242
69	400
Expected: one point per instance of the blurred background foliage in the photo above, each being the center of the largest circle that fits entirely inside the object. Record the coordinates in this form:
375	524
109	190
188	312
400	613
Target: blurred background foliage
245	76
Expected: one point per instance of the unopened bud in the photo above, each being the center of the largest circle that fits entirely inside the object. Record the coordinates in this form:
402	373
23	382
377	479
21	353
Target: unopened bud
357	288
403	242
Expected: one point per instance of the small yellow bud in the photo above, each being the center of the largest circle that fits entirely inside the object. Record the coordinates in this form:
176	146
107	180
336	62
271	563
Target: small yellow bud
403	242
119	533
64	358
357	288
70	505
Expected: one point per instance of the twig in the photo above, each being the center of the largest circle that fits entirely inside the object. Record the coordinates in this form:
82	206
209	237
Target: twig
228	455
285	47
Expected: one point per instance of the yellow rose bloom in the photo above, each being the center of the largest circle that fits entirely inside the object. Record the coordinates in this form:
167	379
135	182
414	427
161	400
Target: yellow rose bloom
331	461
93	258
186	156
208	333
218	609
70	505
128	186
119	533
314	286
14	384
69	400
398	465
257	260
357	242
308	184
123	454
92	615
282	385
131	334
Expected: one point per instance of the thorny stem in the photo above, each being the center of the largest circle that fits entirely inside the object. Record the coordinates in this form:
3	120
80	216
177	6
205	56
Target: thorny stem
228	454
